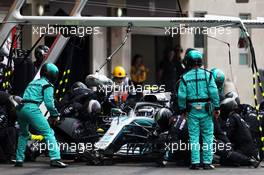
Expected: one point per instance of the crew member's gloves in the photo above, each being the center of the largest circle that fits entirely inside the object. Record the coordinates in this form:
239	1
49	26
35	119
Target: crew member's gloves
184	115
54	120
37	137
172	120
216	113
155	133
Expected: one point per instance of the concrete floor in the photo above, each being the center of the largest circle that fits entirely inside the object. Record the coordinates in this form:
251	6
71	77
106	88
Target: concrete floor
42	167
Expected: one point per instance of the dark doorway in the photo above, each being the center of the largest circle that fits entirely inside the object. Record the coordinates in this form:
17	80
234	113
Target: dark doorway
152	48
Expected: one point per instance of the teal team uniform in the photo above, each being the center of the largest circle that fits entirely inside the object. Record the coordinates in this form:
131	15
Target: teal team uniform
37	91
196	89
219	77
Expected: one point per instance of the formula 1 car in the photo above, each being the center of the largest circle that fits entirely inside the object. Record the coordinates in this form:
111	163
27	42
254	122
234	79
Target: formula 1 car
131	134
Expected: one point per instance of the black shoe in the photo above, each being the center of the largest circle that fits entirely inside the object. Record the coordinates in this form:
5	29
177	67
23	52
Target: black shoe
10	162
162	163
57	164
94	158
195	166
18	164
208	167
254	163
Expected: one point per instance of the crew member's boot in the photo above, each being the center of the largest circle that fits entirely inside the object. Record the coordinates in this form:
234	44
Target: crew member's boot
18	164
208	167
254	162
195	166
57	164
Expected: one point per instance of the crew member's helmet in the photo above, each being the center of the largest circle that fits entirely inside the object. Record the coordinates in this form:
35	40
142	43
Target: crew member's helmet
219	77
119	72
94	108
40	52
78	85
184	61
162	118
50	71
193	58
230	103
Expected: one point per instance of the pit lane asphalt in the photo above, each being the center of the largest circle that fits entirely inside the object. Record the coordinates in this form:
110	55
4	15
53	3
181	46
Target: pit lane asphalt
41	167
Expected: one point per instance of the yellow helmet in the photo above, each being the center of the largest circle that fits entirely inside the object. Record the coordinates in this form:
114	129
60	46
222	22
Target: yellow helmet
119	72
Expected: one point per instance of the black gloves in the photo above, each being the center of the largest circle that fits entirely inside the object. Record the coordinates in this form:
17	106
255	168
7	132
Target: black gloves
54	120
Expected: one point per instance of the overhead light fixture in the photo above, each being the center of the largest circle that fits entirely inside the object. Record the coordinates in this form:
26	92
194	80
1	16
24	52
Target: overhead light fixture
119	12
40	10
